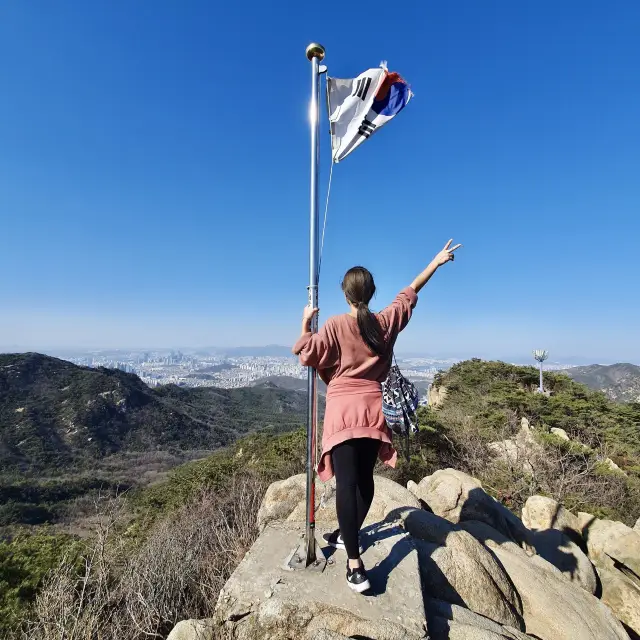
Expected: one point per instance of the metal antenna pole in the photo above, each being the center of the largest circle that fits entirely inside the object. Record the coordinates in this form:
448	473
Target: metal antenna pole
540	356
315	54
541	379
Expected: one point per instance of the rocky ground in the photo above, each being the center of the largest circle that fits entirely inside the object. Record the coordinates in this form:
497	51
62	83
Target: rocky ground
447	561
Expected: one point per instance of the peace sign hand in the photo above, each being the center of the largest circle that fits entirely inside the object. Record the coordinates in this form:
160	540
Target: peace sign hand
446	255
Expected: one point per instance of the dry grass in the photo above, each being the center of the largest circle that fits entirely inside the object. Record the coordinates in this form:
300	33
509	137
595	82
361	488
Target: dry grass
570	473
177	573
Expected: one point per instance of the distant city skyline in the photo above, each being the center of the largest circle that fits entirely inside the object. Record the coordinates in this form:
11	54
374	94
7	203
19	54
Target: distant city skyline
244	367
279	350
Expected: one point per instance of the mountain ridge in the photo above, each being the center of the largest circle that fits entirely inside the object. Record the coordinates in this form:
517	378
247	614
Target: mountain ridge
54	413
620	382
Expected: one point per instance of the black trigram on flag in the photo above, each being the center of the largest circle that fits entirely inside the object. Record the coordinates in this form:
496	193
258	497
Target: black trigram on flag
366	128
361	88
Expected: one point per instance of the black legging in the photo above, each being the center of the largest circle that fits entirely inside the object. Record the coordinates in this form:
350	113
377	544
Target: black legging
353	462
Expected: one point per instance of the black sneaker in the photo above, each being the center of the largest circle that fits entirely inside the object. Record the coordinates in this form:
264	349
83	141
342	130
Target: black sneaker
357	580
334	540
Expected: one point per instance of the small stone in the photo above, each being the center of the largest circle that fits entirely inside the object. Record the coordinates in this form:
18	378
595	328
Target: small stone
611	465
543	513
585	520
560	433
192	630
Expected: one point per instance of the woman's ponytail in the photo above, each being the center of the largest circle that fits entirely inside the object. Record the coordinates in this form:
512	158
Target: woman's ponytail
370	330
358	287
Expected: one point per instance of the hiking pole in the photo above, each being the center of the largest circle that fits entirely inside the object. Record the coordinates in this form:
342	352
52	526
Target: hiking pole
311	557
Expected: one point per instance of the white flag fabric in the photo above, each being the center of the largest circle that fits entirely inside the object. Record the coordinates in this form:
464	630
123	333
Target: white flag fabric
358	107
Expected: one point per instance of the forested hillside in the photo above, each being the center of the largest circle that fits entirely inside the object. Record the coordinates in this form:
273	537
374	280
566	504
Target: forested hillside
620	382
572	444
68	433
54	414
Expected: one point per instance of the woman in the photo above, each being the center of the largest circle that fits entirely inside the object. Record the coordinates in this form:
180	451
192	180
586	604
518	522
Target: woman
352	354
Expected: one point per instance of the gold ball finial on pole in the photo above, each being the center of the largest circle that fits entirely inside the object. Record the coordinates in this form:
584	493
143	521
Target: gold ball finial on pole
315	50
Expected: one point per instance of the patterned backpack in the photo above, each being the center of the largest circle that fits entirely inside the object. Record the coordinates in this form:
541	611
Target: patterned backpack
400	402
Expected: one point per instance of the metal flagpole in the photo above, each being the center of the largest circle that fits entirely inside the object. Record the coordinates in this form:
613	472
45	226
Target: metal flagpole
309	559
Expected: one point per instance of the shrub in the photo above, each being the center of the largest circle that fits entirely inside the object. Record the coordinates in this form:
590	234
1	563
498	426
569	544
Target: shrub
176	573
485	402
25	562
163	555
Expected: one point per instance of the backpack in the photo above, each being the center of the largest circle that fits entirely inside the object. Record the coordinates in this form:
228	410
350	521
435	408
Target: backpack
400	403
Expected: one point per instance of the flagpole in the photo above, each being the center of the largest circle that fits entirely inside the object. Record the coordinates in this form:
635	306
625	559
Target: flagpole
315	54
307	558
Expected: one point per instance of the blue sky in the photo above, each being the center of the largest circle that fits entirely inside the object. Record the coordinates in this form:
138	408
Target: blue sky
154	177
